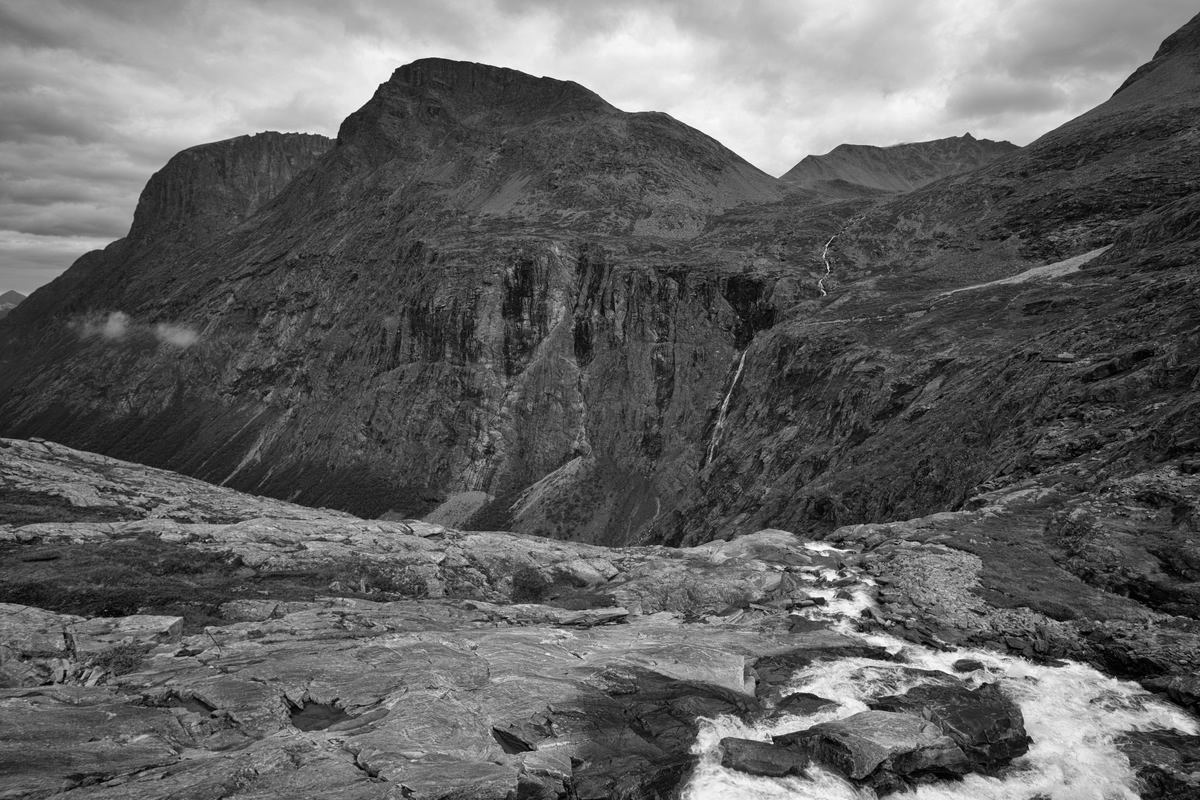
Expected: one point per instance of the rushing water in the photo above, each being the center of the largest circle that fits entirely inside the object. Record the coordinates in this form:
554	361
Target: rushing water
1072	713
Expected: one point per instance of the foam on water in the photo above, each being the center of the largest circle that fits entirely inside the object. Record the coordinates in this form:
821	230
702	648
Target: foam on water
824	548
1073	714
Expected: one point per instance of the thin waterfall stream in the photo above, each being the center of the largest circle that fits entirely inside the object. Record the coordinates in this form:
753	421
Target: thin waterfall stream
724	410
825	254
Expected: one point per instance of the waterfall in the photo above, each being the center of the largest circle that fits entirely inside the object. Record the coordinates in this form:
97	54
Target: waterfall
825	252
720	424
825	258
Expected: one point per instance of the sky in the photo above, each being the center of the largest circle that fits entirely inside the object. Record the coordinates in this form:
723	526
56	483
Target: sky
96	95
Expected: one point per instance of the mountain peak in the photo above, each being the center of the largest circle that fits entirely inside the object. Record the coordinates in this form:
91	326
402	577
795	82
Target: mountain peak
1176	51
495	141
896	168
440	94
469	81
211	187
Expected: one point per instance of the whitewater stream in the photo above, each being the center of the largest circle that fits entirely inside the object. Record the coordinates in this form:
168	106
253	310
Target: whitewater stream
1073	714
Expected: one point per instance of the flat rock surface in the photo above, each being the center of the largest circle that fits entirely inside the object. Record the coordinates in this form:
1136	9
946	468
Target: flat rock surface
405	657
313	653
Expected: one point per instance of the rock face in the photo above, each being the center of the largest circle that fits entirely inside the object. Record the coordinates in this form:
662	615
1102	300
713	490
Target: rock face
900	168
500	301
206	191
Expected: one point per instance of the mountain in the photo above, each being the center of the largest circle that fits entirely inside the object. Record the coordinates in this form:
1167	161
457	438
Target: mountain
497	142
499	301
441	304
8	301
899	168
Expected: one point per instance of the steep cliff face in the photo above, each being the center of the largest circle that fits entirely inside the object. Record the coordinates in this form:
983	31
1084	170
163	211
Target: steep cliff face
200	196
899	168
208	190
503	301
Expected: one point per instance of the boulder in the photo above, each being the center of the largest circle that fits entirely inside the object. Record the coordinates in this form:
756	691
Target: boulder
882	749
1183	689
1167	763
762	758
804	704
983	722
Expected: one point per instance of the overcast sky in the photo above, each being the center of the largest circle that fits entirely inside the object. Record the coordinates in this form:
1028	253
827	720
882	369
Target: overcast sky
95	95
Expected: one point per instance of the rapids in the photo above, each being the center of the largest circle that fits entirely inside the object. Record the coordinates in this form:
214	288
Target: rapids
1073	714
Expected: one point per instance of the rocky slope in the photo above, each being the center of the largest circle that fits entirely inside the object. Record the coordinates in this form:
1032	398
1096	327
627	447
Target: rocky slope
501	301
850	168
9	301
159	635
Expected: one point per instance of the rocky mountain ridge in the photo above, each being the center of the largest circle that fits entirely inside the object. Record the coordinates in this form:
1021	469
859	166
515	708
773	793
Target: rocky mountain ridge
897	168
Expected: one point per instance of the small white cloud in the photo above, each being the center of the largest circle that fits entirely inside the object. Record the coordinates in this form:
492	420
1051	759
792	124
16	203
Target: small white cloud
179	336
115	326
112	327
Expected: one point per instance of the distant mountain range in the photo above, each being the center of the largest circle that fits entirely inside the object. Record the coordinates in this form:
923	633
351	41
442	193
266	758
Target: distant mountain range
899	168
9	301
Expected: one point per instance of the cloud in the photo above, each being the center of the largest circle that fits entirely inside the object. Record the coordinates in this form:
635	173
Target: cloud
116	326
29	260
95	95
179	336
991	97
111	327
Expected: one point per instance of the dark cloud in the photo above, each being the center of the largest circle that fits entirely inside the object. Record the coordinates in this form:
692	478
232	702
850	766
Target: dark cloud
95	95
27	262
70	219
34	114
987	98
